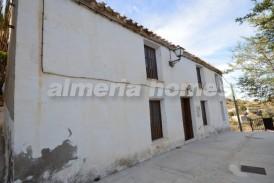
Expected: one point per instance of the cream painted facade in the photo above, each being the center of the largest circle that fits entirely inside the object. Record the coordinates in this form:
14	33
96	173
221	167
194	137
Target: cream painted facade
102	135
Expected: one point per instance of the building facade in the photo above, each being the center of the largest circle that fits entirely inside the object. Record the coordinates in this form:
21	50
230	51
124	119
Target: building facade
54	135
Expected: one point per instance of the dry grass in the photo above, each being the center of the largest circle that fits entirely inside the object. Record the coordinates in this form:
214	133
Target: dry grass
257	126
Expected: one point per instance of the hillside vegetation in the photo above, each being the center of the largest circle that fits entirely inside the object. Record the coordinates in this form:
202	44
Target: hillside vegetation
249	111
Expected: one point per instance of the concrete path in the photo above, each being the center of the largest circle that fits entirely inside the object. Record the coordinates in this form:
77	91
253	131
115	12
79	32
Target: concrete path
212	160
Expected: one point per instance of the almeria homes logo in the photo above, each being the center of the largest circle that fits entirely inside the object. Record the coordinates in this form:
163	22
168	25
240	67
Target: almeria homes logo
67	88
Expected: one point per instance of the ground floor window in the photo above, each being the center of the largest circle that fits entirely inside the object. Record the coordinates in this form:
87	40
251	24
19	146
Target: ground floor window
155	119
204	115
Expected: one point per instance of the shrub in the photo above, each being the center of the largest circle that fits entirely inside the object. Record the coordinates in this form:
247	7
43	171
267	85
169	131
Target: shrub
230	114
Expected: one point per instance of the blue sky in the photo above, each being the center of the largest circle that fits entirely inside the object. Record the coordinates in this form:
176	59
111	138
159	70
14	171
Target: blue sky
206	28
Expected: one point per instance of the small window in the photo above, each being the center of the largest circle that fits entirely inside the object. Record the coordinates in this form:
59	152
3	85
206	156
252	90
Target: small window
203	108
155	119
151	65
199	77
222	110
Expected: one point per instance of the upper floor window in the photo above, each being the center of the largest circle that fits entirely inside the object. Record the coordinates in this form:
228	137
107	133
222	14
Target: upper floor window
199	77
151	64
219	83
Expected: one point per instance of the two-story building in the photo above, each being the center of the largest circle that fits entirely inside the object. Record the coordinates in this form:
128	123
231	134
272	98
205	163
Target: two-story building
65	122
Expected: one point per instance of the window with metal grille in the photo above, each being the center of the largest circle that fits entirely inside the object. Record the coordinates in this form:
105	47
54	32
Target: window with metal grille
151	65
155	119
199	77
203	107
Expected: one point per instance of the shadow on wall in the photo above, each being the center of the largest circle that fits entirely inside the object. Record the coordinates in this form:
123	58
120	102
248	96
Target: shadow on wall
32	170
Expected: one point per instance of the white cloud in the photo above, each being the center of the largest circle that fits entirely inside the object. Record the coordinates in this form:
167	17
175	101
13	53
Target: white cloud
203	27
222	66
208	30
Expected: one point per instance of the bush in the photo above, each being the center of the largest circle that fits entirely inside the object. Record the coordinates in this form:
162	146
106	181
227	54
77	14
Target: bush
230	114
267	113
3	56
243	108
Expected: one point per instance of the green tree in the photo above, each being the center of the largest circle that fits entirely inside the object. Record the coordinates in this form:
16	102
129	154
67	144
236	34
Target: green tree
4	25
262	17
255	55
4	36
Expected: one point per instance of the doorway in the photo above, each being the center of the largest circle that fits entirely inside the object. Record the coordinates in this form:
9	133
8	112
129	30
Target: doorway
156	119
187	119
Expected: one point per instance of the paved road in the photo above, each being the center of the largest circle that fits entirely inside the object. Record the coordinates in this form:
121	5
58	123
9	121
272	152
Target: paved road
212	160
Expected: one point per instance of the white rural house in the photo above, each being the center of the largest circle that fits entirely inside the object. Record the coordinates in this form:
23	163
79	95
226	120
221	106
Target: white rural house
54	136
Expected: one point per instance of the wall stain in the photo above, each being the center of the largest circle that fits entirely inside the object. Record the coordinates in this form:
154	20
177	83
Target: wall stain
126	163
123	163
51	161
78	177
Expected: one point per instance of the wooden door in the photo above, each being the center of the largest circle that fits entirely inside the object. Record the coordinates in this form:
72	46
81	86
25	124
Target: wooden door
187	119
155	120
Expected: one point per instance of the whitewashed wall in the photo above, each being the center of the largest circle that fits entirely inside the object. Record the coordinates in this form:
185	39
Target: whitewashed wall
110	133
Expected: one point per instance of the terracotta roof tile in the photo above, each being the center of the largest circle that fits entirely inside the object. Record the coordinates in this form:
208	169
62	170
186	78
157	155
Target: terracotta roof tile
108	12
